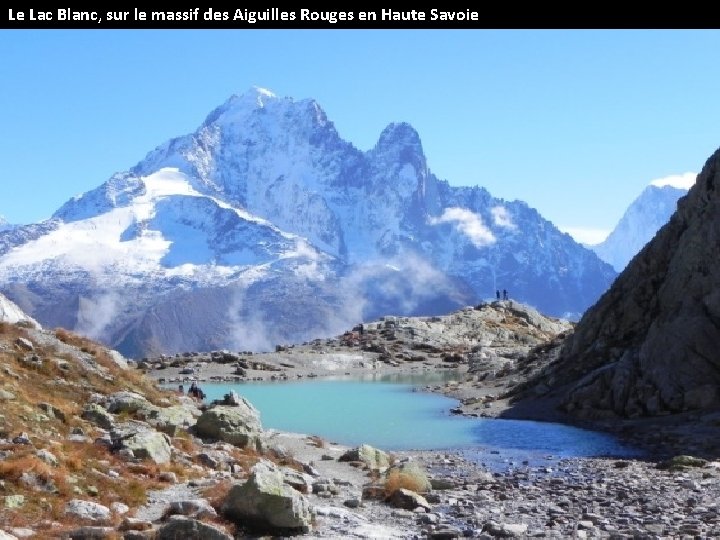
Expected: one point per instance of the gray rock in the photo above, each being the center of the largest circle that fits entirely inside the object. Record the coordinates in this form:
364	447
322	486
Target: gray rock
87	510
7	536
297	480
119	508
23	532
135	524
372	457
197	508
168	477
265	502
190	529
5	395
170	419
92	533
238	425
143	441
14	501
98	415
24	344
48	457
408	500
119	360
414	473
130	403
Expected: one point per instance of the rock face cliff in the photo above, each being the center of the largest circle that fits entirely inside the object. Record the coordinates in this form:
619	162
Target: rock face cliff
649	346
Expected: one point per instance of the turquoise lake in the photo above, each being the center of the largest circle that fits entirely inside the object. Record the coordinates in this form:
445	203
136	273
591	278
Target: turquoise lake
394	414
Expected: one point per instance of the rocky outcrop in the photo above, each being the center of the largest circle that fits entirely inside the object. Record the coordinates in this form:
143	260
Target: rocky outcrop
143	441
87	510
239	424
267	503
372	458
649	345
129	403
190	529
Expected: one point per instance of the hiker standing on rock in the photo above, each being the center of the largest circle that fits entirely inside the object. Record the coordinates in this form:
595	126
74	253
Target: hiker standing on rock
504	294
497	294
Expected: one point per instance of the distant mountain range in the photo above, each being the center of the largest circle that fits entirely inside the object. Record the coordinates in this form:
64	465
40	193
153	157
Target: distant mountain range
643	218
264	226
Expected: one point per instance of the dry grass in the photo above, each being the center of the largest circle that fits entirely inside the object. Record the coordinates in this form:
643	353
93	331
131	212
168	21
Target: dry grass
84	469
217	492
400	480
317	442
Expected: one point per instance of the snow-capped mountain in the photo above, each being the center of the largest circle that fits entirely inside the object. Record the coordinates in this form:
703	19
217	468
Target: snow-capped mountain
643	218
4	225
265	226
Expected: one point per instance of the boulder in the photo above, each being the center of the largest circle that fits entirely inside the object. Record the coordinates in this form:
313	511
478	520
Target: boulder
130	403
143	441
119	360
87	510
238	425
170	419
7	536
98	415
408	500
14	501
47	456
197	508
372	457
266	503
190	529
91	533
411	475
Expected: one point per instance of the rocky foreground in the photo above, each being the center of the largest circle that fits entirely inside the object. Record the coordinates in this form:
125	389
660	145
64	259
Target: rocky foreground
91	447
491	350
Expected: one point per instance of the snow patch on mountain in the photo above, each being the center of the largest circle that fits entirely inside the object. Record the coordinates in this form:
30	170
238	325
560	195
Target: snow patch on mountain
11	313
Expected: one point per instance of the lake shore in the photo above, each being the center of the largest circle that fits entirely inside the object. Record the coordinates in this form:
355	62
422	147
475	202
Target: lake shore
491	495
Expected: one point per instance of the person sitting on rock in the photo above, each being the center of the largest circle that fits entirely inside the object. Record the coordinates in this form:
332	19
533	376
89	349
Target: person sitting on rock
195	391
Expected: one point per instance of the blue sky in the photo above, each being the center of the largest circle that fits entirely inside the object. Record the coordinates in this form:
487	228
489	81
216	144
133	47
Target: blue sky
574	122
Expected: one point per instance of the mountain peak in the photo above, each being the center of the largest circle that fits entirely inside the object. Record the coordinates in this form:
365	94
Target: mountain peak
239	105
256	95
399	134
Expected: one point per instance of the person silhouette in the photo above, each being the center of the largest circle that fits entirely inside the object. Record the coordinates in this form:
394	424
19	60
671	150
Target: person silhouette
497	294
505	294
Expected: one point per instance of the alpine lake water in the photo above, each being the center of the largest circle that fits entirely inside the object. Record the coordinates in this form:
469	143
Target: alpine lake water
394	413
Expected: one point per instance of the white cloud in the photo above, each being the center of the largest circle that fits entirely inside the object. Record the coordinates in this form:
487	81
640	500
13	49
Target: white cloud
679	181
502	217
584	235
468	223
